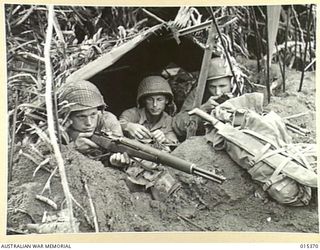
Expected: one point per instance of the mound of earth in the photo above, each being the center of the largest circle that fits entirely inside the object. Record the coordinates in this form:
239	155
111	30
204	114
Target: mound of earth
238	204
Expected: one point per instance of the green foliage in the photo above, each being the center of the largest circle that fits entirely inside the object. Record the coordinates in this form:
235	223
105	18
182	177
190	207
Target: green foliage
83	33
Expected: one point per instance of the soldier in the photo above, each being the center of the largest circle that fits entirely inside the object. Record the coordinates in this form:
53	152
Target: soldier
149	120
218	87
86	115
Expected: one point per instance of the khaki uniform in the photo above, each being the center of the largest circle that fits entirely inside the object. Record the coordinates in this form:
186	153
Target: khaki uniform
182	119
138	115
107	123
143	175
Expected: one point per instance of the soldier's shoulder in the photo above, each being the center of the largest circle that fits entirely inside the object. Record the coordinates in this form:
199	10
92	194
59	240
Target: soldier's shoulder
108	115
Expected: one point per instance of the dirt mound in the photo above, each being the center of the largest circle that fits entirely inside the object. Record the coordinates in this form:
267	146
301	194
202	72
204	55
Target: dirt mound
116	207
199	205
238	204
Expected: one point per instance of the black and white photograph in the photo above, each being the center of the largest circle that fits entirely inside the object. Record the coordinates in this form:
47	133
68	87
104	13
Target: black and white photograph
161	119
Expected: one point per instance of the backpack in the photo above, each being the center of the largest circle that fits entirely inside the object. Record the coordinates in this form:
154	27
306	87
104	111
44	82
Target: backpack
262	146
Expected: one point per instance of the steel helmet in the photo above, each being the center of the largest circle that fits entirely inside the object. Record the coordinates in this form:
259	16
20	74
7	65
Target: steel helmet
218	68
82	95
153	85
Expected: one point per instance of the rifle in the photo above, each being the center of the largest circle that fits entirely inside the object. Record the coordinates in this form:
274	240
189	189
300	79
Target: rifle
137	149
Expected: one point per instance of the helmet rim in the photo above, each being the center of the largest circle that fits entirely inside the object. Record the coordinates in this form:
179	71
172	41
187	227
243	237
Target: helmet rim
153	85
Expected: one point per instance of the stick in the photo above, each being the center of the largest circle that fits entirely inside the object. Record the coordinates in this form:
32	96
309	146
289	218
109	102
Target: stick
13	136
268	59
49	105
46	200
193	125
295	41
231	27
190	222
95	220
279	60
56	118
153	16
58	29
298	23
258	38
44	162
306	47
296	115
191	29
225	50
291	125
310	64
285	52
83	210
311	26
295	130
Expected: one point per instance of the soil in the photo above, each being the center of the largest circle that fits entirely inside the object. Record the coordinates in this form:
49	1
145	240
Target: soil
238	204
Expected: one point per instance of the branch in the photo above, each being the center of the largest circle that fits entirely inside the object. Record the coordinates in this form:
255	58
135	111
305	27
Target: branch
49	106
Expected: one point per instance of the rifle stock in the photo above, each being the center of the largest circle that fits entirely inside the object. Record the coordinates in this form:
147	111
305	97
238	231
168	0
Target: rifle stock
137	149
205	116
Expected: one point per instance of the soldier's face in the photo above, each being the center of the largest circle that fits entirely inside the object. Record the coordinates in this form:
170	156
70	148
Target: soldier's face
84	121
155	104
220	86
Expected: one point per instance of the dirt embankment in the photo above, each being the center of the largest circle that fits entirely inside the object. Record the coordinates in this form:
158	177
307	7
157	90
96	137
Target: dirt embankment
238	204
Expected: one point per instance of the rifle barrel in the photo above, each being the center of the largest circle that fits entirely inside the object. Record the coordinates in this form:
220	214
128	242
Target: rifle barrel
137	149
208	175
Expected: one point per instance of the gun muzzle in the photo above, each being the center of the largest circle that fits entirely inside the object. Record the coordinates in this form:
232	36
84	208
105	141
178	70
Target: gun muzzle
208	175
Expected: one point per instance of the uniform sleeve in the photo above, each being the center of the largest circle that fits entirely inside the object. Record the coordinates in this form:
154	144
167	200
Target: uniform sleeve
181	120
169	133
111	124
129	115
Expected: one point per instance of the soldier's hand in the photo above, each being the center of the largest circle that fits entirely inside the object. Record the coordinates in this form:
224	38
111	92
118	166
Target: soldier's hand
83	144
119	160
209	105
138	131
159	136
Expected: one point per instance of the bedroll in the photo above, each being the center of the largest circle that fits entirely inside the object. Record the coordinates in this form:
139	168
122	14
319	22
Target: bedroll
262	146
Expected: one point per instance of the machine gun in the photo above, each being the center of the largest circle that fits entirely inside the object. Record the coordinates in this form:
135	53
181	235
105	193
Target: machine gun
143	151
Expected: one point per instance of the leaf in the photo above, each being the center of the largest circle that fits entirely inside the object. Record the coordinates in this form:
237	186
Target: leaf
24	17
41	134
26	75
44	162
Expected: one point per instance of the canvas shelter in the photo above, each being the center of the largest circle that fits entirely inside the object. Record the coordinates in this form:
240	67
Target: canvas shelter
118	72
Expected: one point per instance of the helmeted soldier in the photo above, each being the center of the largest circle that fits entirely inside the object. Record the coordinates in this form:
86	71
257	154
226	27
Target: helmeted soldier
85	112
218	86
150	119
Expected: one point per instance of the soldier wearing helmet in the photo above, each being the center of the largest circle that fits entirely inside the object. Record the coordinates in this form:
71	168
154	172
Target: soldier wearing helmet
85	109
149	120
218	84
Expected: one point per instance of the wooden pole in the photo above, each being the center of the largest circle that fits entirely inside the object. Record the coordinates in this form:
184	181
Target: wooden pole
14	122
193	125
285	52
258	38
56	117
49	104
295	42
306	47
279	60
268	60
231	32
